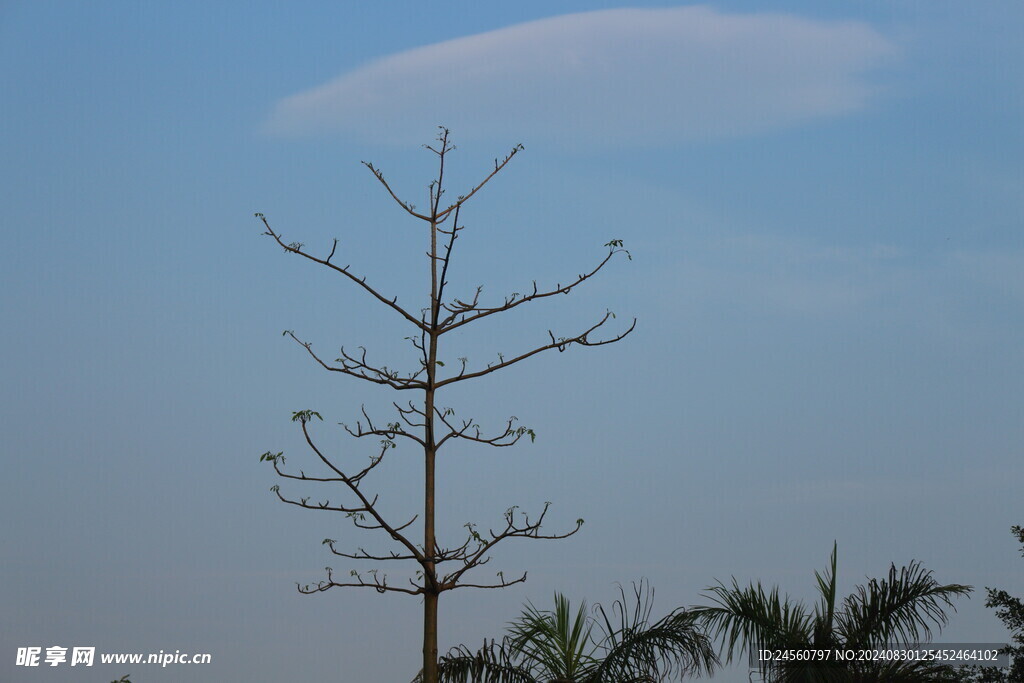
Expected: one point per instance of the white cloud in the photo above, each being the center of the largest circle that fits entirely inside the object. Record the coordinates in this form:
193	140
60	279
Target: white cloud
622	76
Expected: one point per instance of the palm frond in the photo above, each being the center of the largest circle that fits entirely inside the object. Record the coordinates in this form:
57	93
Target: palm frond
641	652
824	617
555	644
901	608
750	617
562	645
492	663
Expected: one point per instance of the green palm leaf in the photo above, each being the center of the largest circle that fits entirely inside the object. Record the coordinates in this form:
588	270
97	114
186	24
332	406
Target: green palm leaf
492	663
570	646
636	651
901	609
555	644
750	617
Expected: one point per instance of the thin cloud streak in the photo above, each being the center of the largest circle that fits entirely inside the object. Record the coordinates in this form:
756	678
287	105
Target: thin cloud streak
622	76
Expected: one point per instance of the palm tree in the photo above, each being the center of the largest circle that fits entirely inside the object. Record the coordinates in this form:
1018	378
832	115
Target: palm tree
898	610
562	646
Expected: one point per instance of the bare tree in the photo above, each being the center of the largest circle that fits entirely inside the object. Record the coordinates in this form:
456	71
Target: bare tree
438	567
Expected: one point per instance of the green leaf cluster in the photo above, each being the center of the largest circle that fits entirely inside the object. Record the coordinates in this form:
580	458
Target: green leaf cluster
305	416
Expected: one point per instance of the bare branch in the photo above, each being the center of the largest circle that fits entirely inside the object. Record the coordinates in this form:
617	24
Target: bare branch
409	208
278	459
367	507
357	367
561	344
437	187
304	503
363	555
515	299
379	583
454	233
411	410
461	552
513	529
296	248
393	429
501	584
509	437
304	477
498	165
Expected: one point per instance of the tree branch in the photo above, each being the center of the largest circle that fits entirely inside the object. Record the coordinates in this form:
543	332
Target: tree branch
515	299
358	368
380	584
514	434
363	555
527	529
498	165
368	506
502	584
409	208
561	344
393	429
296	248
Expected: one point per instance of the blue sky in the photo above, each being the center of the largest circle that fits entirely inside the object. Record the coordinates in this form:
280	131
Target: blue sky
824	206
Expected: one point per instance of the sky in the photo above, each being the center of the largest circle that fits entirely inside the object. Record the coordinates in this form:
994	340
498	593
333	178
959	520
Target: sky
824	205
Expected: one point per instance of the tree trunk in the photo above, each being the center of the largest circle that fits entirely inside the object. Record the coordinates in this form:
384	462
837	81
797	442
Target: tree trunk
430	453
429	568
430	638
